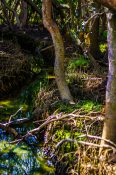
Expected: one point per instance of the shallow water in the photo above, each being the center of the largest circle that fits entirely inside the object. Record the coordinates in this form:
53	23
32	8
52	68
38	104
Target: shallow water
22	158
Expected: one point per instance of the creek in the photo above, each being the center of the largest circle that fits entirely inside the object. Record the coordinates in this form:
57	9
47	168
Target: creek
22	158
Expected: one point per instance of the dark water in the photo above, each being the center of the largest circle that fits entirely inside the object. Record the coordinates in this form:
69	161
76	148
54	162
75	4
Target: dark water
22	158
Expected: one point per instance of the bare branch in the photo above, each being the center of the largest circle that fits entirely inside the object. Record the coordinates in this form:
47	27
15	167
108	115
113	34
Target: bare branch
99	138
14	114
82	143
91	18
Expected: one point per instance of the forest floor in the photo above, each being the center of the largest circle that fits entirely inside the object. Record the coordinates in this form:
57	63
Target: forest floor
70	134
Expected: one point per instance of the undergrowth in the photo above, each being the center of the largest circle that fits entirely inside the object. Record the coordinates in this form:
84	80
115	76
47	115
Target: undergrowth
73	142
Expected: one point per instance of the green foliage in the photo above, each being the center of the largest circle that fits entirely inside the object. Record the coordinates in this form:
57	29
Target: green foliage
88	106
80	62
105	35
25	101
10	107
103	47
36	64
63	107
73	34
29	94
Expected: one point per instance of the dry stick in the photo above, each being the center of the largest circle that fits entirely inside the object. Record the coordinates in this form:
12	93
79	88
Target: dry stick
56	119
70	115
46	48
83	143
14	115
91	18
99	138
113	147
34	131
18	122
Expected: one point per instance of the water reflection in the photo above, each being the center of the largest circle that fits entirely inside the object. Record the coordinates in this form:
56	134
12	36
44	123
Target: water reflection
22	159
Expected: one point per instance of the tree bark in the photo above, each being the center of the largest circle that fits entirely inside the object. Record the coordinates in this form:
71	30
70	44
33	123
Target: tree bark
94	39
23	15
59	49
94	36
109	130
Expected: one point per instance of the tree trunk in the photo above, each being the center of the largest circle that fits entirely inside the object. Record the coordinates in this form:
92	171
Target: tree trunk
23	15
109	130
94	35
59	49
94	39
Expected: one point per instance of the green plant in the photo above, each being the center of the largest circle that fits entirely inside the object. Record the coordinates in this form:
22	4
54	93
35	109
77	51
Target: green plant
103	47
80	62
88	106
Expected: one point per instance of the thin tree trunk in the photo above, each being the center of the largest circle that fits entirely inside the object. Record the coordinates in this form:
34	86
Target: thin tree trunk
94	39
23	15
94	35
109	130
59	49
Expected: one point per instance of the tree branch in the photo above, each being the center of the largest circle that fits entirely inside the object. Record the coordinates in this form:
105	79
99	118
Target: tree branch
83	143
34	7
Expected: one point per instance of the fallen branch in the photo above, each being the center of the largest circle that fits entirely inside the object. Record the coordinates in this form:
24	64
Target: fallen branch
18	122
51	120
82	143
99	138
54	120
49	47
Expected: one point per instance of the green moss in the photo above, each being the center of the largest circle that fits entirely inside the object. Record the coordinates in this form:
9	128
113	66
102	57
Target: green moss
25	101
10	107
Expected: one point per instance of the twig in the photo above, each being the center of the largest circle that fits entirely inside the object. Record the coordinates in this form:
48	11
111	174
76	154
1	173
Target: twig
88	21
99	138
49	47
15	141
56	119
51	120
34	131
83	143
14	115
18	121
